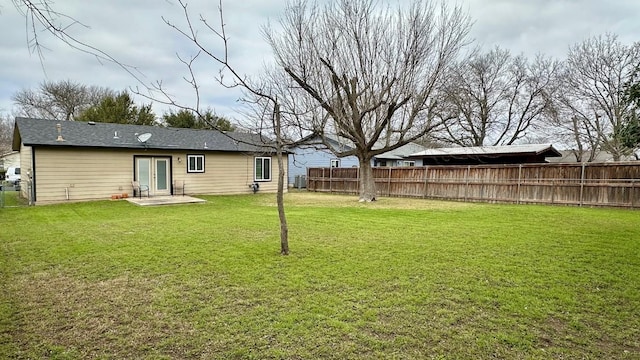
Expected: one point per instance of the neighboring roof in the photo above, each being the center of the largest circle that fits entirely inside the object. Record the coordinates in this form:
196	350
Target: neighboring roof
568	156
533	149
341	144
39	132
10	153
315	140
401	152
9	159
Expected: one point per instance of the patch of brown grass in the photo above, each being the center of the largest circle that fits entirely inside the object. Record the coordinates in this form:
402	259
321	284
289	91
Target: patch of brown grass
89	319
317	199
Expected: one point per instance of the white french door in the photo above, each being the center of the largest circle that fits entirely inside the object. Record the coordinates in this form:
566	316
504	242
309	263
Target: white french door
154	172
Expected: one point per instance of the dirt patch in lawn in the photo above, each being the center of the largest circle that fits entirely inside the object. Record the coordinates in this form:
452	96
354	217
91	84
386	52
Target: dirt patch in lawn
89	319
334	200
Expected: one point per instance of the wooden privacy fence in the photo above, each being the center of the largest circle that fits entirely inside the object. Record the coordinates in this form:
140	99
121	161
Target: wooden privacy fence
589	184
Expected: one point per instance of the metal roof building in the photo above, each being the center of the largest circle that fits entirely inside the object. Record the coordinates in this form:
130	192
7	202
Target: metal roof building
510	154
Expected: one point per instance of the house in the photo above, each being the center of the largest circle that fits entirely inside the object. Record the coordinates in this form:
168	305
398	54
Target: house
68	160
312	152
476	155
397	157
10	159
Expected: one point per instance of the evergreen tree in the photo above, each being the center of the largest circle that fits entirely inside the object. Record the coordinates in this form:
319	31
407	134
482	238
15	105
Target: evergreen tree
188	119
119	109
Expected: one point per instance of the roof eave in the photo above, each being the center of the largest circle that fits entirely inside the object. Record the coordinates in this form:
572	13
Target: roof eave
62	145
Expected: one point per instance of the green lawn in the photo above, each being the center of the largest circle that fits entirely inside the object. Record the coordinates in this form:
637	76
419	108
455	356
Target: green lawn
396	279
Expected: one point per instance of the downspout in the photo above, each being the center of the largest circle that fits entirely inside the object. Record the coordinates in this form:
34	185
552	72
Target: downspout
582	183
33	196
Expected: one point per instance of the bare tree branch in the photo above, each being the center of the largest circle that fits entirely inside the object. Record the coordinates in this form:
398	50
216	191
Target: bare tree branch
496	98
592	105
41	16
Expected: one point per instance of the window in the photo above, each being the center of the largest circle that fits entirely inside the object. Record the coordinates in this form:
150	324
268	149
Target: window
409	163
263	169
335	163
195	163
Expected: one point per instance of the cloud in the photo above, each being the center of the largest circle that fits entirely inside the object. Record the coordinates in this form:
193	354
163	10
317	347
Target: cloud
551	26
134	33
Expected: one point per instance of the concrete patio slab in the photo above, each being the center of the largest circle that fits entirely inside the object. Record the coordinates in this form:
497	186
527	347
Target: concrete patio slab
165	200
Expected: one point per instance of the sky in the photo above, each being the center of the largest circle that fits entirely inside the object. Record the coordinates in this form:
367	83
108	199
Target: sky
134	33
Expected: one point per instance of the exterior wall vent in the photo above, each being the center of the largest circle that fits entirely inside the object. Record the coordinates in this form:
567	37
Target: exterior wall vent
59	128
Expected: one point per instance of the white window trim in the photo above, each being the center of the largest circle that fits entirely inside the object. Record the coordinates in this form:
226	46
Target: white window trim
262	159
196	170
336	161
409	163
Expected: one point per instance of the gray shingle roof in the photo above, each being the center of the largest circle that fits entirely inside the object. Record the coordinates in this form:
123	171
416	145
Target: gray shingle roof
401	152
39	132
315	140
342	144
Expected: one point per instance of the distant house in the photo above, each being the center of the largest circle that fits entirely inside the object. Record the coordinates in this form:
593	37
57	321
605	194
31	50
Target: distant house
511	154
398	157
312	152
68	160
10	159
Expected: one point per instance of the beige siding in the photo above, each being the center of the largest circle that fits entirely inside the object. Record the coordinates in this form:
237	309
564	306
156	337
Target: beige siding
86	174
26	166
225	173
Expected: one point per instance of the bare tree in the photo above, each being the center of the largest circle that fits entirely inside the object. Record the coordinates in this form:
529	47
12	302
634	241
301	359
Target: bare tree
569	128
267	98
496	99
6	133
275	111
593	99
63	100
372	72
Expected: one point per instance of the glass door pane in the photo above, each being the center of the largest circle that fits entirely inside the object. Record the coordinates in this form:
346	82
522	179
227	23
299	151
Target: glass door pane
144	171
162	174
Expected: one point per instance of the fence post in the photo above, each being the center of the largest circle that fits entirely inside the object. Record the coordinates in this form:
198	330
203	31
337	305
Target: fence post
331	180
632	192
582	184
519	183
482	187
426	180
389	183
466	185
324	178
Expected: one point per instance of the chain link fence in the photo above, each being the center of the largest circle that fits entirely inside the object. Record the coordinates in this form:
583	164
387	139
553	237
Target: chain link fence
15	194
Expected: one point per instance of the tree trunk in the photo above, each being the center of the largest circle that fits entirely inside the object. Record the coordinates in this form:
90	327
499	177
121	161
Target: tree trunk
367	183
284	228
